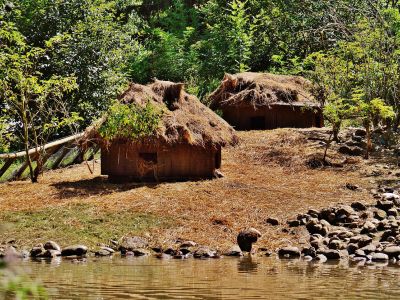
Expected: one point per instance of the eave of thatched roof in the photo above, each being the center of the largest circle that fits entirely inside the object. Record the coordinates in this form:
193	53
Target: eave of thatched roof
184	120
262	89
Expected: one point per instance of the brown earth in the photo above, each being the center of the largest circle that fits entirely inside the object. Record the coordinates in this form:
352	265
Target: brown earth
265	176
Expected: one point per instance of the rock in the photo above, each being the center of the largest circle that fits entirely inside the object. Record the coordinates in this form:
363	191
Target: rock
205	252
272	221
313	213
133	242
352	151
307	258
78	250
289	252
140	252
102	252
368	227
379	257
50	253
185	251
330	254
335	245
352	187
380	214
234	251
314	227
393	212
294	223
390	196
170	251
392	251
246	238
369	249
351	248
384	204
311	252
50	245
321	258
37	251
358	206
345	210
360	132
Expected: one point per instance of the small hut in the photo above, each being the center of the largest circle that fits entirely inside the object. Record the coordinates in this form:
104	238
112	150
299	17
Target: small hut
254	101
186	143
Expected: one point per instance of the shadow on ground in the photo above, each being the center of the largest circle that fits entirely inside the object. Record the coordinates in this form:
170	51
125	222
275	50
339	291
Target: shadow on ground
95	186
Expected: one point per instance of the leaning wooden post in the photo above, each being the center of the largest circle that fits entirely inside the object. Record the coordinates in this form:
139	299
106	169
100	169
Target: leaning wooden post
6	165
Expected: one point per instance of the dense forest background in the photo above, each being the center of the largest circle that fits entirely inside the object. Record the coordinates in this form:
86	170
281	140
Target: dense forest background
62	62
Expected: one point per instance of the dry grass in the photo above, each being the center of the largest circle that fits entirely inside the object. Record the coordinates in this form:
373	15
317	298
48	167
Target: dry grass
265	176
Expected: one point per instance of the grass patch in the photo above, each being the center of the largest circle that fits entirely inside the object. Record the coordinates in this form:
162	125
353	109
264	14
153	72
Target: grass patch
76	223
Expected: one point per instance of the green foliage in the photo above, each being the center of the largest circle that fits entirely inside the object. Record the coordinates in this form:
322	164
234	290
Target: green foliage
130	121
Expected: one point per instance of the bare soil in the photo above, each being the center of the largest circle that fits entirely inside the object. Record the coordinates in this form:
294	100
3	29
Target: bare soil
265	176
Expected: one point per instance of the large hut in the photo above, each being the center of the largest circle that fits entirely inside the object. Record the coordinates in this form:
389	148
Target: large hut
253	101
186	143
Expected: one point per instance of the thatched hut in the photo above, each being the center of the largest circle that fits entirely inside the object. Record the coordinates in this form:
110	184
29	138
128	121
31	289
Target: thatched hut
266	101
185	145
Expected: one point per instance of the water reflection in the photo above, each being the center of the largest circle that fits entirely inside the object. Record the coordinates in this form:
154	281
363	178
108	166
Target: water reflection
247	264
229	278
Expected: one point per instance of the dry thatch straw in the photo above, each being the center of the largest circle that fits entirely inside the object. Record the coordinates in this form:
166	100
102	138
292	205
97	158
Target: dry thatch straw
185	119
262	89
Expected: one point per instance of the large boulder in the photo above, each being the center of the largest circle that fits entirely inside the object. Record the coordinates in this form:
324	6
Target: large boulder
289	252
247	237
128	244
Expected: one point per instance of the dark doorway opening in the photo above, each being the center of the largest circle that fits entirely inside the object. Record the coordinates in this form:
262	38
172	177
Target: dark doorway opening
147	166
257	123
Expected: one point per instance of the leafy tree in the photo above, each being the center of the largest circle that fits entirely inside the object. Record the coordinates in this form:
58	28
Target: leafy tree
33	105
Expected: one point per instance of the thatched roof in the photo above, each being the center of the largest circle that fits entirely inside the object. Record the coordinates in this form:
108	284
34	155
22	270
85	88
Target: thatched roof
184	119
262	89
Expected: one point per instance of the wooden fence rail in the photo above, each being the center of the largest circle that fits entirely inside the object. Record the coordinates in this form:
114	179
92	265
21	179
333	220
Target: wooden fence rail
59	153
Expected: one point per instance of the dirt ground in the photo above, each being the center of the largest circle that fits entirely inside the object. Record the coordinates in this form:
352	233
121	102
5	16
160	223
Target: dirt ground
265	176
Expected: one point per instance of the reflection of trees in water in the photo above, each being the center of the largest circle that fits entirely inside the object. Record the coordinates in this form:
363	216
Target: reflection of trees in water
247	264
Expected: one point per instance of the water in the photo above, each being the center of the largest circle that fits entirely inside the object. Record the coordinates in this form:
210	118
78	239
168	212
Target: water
227	278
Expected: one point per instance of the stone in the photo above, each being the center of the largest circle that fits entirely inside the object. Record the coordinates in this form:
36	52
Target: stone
204	252
321	258
369	249
335	244
393	212
379	257
293	223
246	238
307	258
368	227
384	204
345	210
50	245
78	250
358	206
392	251
351	248
313	213
310	251
380	214
352	151
360	132
390	196
37	251
352	187
272	221
50	253
102	252
289	252
234	251
133	242
140	252
330	254
170	251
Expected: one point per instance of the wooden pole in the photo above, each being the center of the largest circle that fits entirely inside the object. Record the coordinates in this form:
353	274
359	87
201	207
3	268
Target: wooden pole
6	165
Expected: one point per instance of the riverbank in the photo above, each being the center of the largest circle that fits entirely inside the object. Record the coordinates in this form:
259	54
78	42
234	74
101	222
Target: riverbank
266	176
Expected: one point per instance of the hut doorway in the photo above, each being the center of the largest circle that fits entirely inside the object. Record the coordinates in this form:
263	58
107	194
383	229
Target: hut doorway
257	123
147	166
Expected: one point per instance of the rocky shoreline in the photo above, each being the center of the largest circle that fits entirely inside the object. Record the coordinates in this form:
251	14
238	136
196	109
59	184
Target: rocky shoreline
358	233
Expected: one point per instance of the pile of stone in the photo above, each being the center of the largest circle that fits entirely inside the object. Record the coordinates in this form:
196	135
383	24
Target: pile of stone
358	232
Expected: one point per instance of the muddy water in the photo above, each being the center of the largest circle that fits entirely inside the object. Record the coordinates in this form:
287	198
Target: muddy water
227	278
